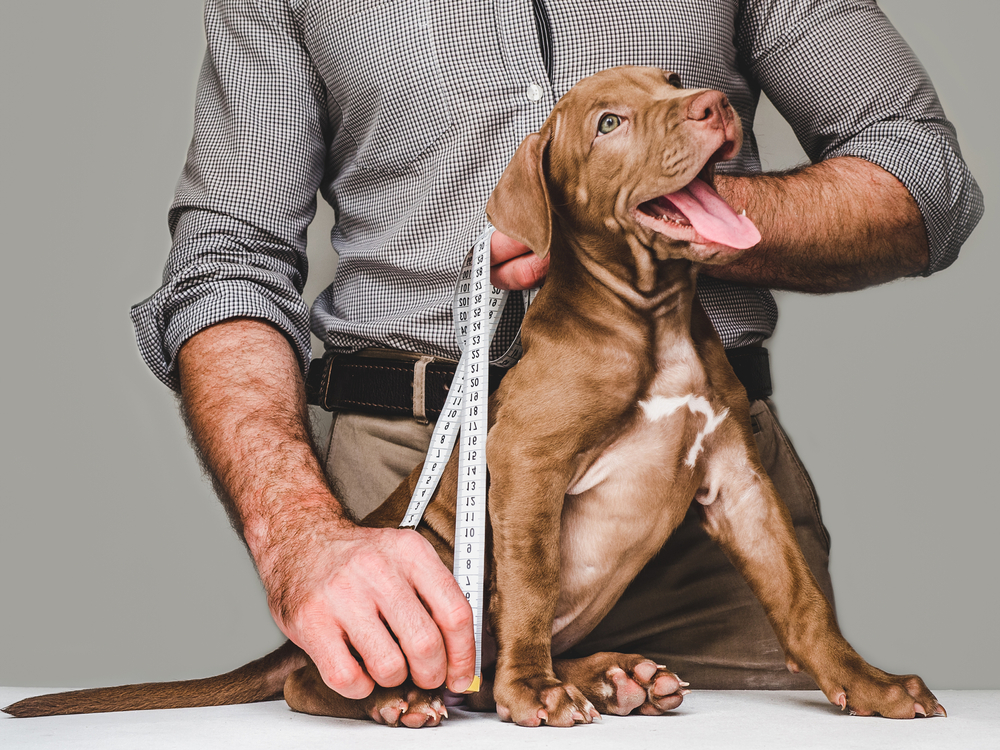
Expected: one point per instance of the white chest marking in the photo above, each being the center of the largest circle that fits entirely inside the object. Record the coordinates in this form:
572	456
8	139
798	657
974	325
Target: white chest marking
658	407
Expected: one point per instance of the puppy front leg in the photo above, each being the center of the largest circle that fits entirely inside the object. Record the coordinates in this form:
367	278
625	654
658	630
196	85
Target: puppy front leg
525	510
743	513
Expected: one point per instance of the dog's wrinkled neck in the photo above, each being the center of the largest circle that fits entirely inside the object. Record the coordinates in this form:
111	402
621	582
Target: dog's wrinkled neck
630	273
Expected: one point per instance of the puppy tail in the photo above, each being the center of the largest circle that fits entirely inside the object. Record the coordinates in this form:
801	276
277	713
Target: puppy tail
260	680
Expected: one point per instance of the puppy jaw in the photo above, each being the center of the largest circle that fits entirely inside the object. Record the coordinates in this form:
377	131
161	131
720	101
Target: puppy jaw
682	215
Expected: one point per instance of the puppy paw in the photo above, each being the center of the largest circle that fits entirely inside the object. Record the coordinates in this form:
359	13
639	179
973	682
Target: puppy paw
408	707
534	701
624	683
867	691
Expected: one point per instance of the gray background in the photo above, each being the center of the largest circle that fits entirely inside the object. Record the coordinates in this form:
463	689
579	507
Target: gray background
117	563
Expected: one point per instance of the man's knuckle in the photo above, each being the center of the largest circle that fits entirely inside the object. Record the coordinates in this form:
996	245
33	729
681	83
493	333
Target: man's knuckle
412	539
425	645
388	669
460	616
343	674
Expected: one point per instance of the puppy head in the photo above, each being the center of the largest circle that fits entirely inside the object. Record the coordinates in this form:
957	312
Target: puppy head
628	151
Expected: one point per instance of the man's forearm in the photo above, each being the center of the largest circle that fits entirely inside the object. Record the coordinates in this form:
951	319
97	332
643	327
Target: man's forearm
338	590
838	225
243	397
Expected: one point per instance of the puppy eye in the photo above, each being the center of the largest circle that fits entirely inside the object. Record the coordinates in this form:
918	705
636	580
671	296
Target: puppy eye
608	123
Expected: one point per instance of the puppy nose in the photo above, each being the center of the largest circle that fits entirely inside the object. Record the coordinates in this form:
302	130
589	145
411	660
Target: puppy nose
709	108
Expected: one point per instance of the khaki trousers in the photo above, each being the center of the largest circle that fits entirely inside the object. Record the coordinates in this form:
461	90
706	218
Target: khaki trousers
688	609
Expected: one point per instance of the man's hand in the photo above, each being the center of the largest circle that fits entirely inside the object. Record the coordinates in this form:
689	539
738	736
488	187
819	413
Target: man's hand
381	595
339	591
514	266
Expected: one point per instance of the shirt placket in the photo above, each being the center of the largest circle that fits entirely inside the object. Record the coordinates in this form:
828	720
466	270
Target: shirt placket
527	76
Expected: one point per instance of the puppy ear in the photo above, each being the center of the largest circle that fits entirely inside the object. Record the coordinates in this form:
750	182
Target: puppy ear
519	206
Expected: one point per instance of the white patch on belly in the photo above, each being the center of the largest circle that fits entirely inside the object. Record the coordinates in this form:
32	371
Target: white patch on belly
658	407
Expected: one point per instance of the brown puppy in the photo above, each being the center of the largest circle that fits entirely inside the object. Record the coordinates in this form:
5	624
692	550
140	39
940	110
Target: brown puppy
622	412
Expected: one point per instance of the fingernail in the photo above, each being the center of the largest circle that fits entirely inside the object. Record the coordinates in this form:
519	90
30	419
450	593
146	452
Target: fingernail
461	684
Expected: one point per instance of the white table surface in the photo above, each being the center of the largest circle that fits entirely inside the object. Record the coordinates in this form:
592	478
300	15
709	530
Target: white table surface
707	720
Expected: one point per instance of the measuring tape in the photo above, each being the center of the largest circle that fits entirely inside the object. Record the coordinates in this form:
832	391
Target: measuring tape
477	307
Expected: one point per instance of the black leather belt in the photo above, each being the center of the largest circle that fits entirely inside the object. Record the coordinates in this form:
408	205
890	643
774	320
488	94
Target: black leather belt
388	382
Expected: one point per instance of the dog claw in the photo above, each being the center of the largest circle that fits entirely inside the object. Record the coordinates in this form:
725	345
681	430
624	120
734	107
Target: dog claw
940	711
842	701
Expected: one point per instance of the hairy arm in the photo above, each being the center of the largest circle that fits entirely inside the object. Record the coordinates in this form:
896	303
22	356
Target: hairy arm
332	586
838	225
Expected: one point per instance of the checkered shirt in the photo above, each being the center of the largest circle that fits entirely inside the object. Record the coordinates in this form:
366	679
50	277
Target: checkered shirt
404	114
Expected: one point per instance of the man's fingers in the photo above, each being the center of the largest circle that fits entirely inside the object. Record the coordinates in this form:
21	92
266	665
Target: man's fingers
503	248
382	661
455	620
420	640
379	651
524	272
339	669
452	617
513	265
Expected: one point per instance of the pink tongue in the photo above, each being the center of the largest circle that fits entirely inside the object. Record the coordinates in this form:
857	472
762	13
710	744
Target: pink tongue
712	217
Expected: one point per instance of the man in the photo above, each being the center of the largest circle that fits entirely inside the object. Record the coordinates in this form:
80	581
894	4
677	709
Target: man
403	115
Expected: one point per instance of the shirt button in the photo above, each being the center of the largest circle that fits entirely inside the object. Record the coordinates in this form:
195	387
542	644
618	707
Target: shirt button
534	92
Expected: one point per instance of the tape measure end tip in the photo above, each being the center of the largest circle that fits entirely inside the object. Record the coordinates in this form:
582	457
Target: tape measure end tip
474	687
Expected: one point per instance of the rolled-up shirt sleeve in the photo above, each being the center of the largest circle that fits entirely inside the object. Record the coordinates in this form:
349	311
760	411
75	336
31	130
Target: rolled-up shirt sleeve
248	190
849	85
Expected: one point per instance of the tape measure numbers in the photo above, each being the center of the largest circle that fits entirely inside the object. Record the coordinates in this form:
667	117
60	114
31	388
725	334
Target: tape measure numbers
477	309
